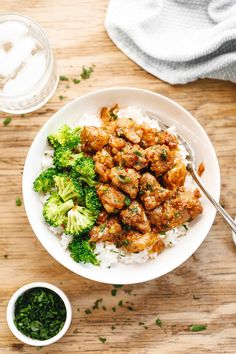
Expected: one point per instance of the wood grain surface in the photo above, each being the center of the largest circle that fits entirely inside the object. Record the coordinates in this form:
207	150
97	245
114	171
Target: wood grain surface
202	290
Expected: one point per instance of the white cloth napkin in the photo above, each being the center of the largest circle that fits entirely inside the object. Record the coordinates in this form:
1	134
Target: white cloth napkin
177	40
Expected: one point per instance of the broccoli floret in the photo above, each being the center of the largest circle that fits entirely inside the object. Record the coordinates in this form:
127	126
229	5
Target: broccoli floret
54	210
80	220
63	157
65	137
68	188
92	201
84	169
45	181
82	251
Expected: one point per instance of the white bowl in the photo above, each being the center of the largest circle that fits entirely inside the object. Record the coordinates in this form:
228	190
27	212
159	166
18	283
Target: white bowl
11	314
173	114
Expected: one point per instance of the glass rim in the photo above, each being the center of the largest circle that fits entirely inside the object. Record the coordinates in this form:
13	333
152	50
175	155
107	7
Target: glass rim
28	20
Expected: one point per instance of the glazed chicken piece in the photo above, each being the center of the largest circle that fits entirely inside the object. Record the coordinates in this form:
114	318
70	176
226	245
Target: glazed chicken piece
184	206
116	144
129	129
127	179
161	158
153	136
111	198
109	231
175	177
102	217
159	246
109	114
103	164
137	242
151	192
135	216
132	156
93	139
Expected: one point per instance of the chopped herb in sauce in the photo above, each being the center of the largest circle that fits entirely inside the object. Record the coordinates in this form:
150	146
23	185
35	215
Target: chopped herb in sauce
102	339
113	327
113	309
113	292
40	313
197	328
130	308
195	297
163	155
127	201
120	303
138	153
7	121
141	323
88	311
96	304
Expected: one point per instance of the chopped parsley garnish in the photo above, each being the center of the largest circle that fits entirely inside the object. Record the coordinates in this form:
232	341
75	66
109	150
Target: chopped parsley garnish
96	304
62	97
76	81
86	72
113	292
159	322
18	201
125	243
127	201
113	327
195	297
141	323
138	153
163	155
40	313
149	187
145	327
7	121
197	328
113	309
63	78
102	339
120	303
117	286
88	311
130	308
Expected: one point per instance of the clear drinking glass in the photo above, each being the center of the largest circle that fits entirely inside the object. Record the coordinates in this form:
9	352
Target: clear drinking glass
28	76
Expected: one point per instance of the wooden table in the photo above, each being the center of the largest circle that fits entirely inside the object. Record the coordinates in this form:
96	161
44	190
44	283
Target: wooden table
202	290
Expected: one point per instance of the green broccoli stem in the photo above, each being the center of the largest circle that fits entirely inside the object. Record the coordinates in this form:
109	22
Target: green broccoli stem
63	208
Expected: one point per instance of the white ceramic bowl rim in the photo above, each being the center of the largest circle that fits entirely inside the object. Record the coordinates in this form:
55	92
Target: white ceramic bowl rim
172	113
11	313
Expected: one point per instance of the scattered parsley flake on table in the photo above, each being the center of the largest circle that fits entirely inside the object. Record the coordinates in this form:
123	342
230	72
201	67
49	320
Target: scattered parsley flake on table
62	97
7	121
197	328
86	72
159	322
113	292
76	81
18	201
63	78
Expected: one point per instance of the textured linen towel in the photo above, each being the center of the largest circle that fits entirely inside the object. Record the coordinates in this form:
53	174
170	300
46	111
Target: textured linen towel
177	40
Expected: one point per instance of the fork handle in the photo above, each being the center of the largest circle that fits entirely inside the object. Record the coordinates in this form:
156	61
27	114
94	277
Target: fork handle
218	207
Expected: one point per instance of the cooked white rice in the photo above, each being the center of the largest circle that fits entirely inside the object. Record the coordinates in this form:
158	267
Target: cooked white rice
107	253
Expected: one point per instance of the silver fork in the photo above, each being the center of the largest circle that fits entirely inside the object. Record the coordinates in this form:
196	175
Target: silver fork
191	168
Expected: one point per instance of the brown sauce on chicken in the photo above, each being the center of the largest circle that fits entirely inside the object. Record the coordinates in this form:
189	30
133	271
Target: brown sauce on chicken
141	178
